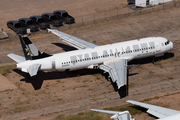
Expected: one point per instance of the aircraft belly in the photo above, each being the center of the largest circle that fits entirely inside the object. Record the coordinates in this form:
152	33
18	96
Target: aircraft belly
71	66
145	54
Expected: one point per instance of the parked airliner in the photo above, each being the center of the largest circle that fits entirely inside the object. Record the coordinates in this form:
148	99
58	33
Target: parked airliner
157	111
160	112
111	58
117	115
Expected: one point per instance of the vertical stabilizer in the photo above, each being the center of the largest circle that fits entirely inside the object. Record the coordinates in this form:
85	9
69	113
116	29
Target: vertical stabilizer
30	50
28	47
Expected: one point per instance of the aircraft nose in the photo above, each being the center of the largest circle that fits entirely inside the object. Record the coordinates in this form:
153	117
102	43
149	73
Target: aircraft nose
171	45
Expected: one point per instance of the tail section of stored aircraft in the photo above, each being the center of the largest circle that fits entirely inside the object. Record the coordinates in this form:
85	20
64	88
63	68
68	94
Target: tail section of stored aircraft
30	53
125	115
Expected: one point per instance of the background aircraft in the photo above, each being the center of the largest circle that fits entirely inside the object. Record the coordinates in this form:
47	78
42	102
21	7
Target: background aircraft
125	115
160	112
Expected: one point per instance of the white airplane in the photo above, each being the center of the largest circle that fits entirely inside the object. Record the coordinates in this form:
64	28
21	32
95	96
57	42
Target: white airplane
125	115
111	58
160	112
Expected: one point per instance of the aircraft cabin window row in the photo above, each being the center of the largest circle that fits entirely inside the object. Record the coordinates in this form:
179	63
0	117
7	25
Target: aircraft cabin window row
108	55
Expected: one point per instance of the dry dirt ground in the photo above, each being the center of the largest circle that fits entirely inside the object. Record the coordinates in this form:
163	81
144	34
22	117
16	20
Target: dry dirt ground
53	93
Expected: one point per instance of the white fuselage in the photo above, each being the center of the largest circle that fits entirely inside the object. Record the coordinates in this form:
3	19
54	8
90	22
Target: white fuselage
173	117
90	57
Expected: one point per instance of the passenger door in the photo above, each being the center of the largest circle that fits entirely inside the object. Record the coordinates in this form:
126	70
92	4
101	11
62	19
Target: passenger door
158	47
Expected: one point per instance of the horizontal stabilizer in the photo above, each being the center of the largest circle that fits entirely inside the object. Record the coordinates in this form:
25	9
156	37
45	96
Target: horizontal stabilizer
33	69
16	58
125	115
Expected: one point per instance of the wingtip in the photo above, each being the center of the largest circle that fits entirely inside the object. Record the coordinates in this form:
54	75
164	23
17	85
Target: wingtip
48	29
9	54
130	101
94	109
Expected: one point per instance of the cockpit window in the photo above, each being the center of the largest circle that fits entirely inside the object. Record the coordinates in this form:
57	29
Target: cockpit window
166	43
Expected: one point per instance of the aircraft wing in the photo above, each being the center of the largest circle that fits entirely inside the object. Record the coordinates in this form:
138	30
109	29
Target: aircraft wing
74	41
117	70
157	111
106	111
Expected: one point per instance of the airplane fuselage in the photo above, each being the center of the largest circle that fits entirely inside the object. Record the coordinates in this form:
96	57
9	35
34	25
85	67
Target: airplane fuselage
91	57
173	117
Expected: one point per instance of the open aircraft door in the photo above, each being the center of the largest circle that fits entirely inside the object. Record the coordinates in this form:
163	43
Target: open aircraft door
158	47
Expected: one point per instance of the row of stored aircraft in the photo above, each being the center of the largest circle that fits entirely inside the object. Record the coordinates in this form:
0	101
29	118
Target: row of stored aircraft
110	58
159	112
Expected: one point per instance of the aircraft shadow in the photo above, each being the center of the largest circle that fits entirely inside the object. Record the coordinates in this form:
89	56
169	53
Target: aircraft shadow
142	109
37	80
65	47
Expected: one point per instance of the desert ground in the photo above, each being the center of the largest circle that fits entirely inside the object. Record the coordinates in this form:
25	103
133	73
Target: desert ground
50	94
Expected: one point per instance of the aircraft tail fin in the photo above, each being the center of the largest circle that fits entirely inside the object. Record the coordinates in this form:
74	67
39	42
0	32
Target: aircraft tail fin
30	50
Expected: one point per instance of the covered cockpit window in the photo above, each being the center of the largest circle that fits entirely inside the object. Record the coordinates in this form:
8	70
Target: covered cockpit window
166	43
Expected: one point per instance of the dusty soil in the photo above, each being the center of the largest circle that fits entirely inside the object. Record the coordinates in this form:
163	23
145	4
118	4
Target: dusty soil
53	93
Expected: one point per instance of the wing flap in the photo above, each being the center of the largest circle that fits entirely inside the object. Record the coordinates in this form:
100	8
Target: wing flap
74	41
157	111
117	70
